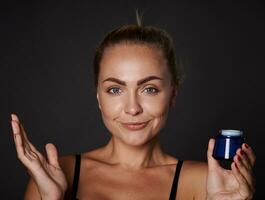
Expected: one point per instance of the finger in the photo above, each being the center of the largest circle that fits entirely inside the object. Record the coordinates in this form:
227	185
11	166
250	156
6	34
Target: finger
16	128
52	155
29	147
244	159
23	131
27	142
212	162
14	117
245	172
17	138
244	189
24	153
250	153
24	137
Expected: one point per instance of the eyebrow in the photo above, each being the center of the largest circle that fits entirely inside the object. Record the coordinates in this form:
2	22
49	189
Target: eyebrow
140	82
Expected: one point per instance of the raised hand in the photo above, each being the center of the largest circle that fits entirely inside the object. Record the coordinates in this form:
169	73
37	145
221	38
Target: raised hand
47	174
237	183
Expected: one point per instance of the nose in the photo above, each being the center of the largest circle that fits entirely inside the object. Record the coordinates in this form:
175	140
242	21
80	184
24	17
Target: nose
133	106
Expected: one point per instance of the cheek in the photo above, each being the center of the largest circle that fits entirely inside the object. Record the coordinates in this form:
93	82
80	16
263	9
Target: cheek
110	107
157	106
158	109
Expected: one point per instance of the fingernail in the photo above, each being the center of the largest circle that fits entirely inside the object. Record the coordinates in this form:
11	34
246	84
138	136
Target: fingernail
14	118
246	146
241	152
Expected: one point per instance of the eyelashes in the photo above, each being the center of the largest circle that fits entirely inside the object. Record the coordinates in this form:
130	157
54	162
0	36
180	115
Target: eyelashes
114	90
118	91
151	90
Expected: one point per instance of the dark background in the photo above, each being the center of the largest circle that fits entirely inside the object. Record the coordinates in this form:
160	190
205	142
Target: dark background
46	75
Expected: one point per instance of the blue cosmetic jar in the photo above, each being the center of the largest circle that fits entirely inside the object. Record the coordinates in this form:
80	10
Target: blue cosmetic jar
226	144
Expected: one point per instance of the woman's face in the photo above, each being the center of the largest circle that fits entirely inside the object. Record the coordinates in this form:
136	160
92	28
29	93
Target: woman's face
134	92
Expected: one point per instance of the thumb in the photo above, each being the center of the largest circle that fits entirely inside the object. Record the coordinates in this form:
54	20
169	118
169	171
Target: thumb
52	155
212	162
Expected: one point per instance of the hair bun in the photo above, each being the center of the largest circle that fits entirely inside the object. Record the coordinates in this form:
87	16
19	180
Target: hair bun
139	17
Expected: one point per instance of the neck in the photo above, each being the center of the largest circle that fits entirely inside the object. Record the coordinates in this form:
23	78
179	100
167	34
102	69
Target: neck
135	157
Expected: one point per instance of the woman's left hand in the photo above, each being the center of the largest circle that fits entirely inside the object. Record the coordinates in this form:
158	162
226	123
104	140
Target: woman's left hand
237	183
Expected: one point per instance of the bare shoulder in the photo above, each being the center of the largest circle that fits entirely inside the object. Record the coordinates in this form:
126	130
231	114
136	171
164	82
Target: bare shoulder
32	191
196	167
67	162
194	175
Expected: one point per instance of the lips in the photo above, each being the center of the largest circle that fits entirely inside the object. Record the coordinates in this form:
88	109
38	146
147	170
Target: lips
135	126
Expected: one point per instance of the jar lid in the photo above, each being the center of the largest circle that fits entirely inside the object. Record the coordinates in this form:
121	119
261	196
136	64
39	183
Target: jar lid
231	132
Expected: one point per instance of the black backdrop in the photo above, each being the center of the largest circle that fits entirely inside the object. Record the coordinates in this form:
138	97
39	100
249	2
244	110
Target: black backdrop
46	75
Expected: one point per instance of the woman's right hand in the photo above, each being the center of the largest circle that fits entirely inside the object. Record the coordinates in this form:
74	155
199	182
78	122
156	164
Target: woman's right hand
47	174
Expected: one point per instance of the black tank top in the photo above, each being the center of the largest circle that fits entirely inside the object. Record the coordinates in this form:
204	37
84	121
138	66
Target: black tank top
173	192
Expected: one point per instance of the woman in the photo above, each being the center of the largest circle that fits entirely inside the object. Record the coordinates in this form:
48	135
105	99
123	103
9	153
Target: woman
137	80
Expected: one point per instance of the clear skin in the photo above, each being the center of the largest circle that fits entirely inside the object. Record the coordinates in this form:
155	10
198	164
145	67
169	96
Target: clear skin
130	101
134	86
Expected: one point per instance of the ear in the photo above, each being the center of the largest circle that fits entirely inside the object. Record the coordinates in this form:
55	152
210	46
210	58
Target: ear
174	96
99	105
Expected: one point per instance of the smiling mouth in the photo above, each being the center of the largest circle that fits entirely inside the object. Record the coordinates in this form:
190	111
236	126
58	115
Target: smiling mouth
135	126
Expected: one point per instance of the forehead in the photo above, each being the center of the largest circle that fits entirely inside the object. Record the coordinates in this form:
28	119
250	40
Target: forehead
130	61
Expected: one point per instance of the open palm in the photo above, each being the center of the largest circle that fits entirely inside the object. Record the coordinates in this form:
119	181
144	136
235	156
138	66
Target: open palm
46	173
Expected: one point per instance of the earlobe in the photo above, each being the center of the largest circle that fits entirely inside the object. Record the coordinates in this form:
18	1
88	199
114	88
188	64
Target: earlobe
99	106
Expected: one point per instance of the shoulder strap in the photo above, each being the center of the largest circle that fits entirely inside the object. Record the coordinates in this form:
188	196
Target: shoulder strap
76	175
173	192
